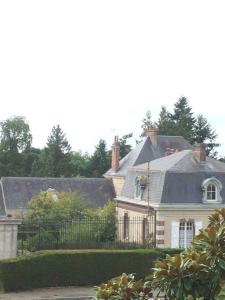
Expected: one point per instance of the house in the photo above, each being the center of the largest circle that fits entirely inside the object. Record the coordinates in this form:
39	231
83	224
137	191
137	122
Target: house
165	179
16	192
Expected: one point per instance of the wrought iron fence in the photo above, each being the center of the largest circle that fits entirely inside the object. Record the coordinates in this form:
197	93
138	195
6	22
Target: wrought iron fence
87	233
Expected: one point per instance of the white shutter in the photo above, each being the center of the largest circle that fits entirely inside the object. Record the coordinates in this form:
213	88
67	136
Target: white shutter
198	226
175	234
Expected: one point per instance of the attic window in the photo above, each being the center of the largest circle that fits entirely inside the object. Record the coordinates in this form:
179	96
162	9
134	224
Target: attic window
211	188
140	184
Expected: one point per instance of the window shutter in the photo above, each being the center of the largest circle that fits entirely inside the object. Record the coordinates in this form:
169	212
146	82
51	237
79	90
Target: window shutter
175	234
198	226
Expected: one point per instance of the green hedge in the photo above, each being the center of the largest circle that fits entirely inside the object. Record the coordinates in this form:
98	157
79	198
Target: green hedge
74	267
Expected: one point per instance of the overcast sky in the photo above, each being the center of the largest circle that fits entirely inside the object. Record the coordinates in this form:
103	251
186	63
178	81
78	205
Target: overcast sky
96	67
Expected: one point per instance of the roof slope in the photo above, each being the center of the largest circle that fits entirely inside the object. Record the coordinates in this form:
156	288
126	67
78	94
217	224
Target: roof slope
146	151
19	190
175	179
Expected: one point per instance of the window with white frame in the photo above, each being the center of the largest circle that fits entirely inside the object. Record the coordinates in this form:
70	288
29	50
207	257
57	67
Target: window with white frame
211	188
186	233
183	231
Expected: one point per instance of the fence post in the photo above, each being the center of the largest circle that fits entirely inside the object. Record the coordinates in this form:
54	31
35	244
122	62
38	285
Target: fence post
8	237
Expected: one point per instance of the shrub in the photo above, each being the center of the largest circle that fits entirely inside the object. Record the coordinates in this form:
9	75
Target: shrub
124	287
198	271
74	267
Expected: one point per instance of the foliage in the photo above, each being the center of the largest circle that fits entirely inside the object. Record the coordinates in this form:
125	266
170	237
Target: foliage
100	160
73	267
182	122
187	273
165	124
56	206
55	159
125	148
203	132
146	122
16	155
15	134
81	164
124	287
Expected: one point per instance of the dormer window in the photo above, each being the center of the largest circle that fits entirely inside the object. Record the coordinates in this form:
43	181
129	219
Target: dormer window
211	188
211	192
140	184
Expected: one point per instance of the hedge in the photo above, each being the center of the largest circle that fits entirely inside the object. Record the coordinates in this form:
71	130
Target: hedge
74	267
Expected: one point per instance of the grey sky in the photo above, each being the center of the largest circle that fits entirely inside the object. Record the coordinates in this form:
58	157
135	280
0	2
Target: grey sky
93	66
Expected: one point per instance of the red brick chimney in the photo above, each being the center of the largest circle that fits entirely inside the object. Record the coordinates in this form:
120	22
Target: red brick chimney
115	154
199	152
152	133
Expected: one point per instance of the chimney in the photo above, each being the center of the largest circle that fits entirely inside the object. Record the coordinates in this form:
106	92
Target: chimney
115	154
199	152
152	133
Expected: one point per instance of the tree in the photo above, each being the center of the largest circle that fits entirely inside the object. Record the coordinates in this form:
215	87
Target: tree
146	122
124	147
56	206
184	120
165	124
55	159
101	160
203	133
15	135
81	164
15	147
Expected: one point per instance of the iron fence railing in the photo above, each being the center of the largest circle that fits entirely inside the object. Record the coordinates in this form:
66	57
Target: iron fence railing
87	233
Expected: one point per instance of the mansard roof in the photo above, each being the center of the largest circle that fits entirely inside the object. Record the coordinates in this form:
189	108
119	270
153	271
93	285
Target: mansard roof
146	152
16	192
175	179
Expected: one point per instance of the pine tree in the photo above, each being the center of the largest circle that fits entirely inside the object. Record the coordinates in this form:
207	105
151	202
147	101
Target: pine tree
203	133
165	124
100	161
184	120
55	159
146	122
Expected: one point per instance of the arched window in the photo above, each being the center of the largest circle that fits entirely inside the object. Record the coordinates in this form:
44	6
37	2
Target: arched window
211	188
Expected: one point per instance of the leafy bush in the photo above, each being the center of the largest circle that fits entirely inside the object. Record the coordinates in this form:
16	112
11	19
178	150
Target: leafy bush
198	271
74	267
124	287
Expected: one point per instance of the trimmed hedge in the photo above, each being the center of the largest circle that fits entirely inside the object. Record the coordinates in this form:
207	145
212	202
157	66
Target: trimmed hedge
74	267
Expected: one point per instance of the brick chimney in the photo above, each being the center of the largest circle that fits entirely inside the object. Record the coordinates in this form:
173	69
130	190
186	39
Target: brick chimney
115	154
152	133
199	152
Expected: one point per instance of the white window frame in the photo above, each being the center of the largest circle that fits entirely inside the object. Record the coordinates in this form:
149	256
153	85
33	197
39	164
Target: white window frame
175	231
218	188
186	241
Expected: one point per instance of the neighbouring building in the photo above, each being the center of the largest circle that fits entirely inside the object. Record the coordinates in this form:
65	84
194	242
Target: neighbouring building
165	178
16	192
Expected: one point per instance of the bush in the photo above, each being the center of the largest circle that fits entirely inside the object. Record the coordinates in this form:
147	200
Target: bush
74	267
124	287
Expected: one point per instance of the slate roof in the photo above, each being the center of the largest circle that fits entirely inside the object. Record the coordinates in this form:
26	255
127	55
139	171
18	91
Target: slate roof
17	191
175	179
146	151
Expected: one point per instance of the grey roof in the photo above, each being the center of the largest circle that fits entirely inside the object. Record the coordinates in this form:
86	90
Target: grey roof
17	191
175	179
146	151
